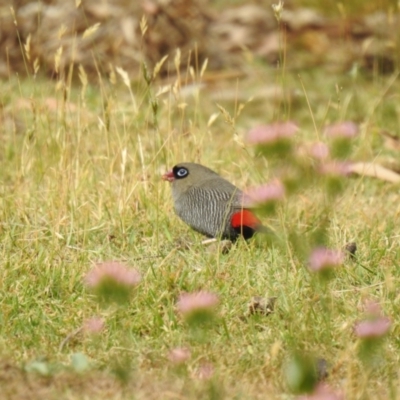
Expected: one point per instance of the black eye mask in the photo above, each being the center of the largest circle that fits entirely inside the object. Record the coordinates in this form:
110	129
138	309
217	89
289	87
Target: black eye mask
180	172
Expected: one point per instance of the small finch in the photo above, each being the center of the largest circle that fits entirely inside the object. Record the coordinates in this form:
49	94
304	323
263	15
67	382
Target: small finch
210	204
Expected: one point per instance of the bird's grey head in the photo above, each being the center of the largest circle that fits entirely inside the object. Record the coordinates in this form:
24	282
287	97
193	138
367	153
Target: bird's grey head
186	174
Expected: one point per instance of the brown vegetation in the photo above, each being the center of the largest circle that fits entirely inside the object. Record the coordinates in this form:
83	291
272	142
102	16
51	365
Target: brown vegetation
54	35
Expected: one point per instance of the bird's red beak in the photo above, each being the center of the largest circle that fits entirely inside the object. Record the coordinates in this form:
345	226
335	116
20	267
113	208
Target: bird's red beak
168	176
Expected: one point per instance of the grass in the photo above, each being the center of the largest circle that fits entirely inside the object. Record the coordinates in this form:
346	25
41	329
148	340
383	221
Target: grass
80	183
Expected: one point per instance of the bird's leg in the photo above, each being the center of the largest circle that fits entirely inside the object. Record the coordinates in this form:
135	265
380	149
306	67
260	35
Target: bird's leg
213	244
206	242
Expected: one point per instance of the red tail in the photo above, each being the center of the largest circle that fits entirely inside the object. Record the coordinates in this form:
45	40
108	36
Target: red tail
245	223
245	218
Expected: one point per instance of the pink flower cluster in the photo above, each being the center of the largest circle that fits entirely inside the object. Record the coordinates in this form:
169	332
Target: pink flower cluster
342	130
93	325
179	355
322	259
266	134
273	191
198	301
319	150
375	325
205	372
114	271
373	328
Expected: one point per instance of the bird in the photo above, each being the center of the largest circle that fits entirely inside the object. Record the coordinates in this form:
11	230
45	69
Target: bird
210	204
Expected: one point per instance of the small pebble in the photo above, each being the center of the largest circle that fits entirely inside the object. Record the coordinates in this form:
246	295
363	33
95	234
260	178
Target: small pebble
321	366
351	249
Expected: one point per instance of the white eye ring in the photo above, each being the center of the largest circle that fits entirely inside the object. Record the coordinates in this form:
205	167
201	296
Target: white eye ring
181	172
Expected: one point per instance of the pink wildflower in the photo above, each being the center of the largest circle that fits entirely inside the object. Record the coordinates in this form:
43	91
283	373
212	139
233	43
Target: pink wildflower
265	134
375	325
374	328
322	392
373	308
93	325
179	355
197	301
319	150
345	130
323	259
204	372
112	271
273	191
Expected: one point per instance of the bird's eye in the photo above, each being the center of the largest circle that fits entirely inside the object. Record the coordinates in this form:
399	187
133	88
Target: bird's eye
182	172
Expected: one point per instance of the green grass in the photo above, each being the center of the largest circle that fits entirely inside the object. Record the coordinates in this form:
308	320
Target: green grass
80	183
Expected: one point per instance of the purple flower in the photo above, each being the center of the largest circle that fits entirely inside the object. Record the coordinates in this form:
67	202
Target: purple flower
189	303
179	355
322	392
270	192
93	325
112	271
373	328
342	130
266	134
324	259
